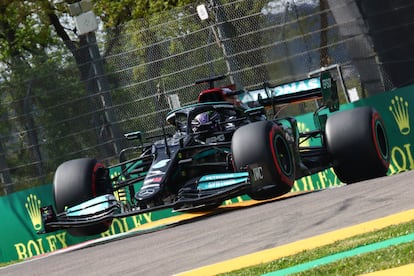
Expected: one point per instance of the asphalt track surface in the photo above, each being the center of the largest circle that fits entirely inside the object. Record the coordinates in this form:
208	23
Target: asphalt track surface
232	233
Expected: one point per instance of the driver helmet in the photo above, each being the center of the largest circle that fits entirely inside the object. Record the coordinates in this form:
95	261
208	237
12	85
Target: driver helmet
206	121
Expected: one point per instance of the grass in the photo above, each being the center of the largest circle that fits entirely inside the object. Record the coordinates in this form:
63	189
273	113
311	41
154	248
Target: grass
377	260
390	257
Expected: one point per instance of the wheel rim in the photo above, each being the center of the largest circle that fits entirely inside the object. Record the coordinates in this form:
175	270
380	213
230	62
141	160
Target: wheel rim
283	155
380	139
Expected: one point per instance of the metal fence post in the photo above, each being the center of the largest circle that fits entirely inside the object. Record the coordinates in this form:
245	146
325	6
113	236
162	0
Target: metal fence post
103	90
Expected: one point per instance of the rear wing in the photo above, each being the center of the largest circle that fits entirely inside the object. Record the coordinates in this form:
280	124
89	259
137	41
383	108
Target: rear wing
322	87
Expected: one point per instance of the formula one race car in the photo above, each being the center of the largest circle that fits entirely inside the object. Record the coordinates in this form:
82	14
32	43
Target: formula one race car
220	150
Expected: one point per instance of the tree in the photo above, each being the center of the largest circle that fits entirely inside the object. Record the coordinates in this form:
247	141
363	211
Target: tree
36	34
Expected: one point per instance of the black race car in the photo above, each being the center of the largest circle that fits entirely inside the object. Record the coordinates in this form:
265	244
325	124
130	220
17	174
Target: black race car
220	150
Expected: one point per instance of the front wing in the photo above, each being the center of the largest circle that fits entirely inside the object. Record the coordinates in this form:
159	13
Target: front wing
210	190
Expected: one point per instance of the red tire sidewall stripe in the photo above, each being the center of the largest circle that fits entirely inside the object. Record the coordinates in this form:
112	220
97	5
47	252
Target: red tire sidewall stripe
95	168
279	170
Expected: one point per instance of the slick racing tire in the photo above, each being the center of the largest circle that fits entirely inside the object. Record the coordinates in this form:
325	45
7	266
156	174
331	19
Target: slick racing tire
262	148
75	181
357	142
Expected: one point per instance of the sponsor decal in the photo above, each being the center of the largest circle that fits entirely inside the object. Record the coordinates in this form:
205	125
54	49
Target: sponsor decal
295	87
219	184
44	244
327	83
401	155
258	173
221	176
399	110
401	159
33	205
39	246
215	139
152	180
147	192
92	206
121	225
284	89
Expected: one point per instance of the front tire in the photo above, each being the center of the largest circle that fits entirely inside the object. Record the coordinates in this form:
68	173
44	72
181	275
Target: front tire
76	181
263	147
357	142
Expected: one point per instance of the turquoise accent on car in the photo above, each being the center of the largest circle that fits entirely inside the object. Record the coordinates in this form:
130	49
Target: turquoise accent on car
215	181
93	206
220	176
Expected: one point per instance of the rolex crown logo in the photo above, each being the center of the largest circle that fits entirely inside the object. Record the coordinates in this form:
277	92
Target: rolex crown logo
33	209
399	109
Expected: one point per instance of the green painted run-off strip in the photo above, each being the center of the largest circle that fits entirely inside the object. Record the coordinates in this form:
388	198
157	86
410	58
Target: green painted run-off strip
342	255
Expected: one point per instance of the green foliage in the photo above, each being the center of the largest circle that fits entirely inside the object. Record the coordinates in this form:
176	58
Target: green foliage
31	115
24	29
115	13
39	58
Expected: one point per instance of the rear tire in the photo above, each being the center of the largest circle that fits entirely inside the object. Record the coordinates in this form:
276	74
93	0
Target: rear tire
357	142
263	145
75	181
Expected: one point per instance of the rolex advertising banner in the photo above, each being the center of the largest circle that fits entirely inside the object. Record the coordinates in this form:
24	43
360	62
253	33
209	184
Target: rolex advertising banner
394	108
21	220
20	211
